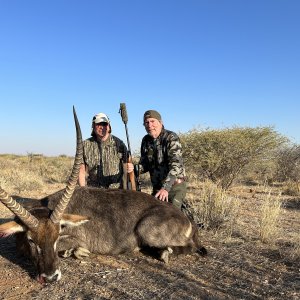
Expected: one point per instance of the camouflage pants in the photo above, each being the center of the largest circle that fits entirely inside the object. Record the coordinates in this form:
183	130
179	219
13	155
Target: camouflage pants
176	194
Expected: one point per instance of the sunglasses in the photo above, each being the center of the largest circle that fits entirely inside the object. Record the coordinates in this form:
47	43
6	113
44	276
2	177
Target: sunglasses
103	124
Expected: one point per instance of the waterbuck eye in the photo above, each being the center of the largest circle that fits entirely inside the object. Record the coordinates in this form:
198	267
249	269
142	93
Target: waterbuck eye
34	246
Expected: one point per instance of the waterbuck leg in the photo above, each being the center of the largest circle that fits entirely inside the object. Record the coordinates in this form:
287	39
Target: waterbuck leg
164	255
66	253
81	253
71	246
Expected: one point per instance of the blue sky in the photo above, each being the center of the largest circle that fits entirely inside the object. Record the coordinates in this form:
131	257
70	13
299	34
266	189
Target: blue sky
213	63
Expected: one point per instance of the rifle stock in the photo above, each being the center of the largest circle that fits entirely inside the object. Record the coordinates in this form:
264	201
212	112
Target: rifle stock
132	178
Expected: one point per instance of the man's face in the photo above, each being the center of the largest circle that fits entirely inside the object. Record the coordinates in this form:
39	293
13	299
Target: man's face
153	127
101	129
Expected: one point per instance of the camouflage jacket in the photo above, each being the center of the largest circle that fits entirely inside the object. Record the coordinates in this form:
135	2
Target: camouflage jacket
104	161
162	158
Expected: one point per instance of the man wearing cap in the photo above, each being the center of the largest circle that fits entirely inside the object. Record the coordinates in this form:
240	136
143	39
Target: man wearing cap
161	156
103	156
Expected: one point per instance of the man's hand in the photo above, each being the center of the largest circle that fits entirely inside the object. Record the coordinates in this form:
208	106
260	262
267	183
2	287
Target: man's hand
129	167
162	195
81	176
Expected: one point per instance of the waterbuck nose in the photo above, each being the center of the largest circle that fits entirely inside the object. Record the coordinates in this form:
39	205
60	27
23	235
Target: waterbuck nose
55	277
52	278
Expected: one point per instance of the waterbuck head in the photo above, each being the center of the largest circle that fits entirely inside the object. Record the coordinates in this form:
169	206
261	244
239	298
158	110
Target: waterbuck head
38	230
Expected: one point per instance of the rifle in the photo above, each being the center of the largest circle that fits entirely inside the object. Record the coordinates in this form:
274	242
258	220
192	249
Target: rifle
133	183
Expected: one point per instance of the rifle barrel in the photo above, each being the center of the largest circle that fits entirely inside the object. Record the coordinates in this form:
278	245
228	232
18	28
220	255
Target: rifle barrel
127	136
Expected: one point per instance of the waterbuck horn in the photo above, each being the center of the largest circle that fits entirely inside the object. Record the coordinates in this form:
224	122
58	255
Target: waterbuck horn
63	202
24	215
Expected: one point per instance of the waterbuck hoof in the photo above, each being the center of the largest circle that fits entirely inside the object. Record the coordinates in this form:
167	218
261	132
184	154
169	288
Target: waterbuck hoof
81	253
66	253
165	255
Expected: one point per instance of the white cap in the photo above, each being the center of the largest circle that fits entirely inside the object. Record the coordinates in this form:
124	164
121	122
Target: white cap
101	117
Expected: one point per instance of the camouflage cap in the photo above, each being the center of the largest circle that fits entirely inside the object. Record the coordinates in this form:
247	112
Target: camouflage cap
152	114
101	117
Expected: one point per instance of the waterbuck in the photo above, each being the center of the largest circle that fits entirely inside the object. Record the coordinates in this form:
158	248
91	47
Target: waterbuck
79	220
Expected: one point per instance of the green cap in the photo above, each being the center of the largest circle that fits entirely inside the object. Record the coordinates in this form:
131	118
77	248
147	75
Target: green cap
152	114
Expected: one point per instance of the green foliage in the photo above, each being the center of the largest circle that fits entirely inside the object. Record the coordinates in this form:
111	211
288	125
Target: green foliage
220	155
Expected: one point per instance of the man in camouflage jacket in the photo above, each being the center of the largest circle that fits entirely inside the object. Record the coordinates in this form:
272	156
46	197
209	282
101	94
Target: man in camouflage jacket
161	156
103	156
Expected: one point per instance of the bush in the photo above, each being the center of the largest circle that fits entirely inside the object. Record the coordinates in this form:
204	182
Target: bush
220	155
288	164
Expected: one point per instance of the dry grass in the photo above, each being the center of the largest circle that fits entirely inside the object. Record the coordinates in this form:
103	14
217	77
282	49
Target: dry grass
291	188
270	218
295	249
252	237
25	174
214	208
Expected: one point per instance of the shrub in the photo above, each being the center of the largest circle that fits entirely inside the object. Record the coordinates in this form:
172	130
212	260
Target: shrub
288	163
220	155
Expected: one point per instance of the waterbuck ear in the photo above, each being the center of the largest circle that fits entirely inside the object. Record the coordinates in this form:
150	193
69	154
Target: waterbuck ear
10	228
73	220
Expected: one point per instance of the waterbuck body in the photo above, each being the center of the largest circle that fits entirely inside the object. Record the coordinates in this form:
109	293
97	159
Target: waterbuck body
122	221
77	221
102	222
